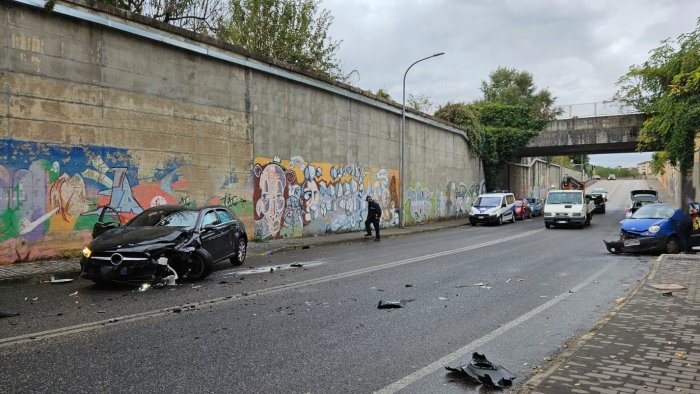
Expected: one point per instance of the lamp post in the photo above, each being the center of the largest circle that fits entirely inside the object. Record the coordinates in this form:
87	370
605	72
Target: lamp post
402	216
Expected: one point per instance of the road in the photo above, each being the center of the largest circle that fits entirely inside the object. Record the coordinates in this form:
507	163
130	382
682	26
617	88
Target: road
517	293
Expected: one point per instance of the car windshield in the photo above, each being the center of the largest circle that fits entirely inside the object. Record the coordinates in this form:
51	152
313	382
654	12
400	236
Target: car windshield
488	202
564	198
597	190
157	217
653	211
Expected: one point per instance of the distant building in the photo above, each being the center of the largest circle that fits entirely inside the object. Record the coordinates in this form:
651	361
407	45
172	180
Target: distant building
644	168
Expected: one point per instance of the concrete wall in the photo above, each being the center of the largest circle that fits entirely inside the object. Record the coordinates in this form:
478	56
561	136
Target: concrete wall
531	177
91	116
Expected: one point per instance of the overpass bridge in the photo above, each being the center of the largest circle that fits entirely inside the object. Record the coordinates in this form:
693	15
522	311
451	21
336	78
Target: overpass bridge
595	133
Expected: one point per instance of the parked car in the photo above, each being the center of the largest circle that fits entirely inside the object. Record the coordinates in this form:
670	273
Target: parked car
653	228
596	177
611	177
493	208
161	242
639	198
536	205
522	209
599	196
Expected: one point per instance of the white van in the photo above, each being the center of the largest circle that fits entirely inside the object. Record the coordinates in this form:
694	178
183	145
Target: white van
493	208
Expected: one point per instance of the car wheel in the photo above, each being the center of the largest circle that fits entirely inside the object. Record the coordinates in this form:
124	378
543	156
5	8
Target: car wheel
199	265
512	218
603	211
472	223
239	257
500	220
530	217
547	225
672	245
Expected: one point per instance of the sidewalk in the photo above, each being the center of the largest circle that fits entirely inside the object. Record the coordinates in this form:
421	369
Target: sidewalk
70	268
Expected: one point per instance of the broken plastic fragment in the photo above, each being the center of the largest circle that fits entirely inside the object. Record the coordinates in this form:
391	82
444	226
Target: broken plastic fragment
58	281
296	265
6	314
481	370
389	304
76	293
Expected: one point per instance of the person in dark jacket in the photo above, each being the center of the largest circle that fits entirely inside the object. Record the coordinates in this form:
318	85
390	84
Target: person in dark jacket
374	213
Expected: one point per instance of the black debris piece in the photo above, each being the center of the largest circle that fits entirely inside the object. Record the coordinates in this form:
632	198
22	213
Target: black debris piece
667	294
408	285
272	270
305	247
389	304
485	372
296	265
8	314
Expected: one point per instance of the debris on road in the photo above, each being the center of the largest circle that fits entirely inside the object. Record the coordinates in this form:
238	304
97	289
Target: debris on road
72	294
481	370
8	314
667	294
296	265
389	304
408	285
54	281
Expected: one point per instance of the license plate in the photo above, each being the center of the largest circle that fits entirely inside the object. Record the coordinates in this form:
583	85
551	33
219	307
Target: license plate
631	242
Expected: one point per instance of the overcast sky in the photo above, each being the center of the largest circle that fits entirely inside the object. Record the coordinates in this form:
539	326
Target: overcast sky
577	49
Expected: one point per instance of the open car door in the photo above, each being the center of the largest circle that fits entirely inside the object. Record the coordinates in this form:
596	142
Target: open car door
109	219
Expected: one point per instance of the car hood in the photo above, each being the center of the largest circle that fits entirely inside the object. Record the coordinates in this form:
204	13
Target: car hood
639	225
139	238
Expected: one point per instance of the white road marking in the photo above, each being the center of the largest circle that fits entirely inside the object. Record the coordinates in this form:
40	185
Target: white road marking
63	331
467	350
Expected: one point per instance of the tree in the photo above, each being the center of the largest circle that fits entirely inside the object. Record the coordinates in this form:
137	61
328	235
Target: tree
292	31
510	114
420	103
512	87
667	89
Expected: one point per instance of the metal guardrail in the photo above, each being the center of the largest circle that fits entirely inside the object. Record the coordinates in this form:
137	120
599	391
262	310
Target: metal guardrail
589	110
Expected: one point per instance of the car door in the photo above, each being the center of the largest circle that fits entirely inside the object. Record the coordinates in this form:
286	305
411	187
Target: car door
230	227
212	235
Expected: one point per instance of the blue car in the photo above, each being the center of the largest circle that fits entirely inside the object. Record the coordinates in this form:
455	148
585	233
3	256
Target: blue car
654	228
536	205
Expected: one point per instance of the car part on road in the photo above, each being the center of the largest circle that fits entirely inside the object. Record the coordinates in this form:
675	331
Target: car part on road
481	370
6	314
389	304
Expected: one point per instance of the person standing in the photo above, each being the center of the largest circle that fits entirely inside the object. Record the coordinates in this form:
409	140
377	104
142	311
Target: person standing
374	213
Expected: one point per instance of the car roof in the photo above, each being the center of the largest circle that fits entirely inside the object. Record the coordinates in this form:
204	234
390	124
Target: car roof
180	207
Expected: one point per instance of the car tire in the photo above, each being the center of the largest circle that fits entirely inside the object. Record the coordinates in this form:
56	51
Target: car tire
603	211
201	265
472	223
547	225
500	220
672	245
512	218
530	217
239	257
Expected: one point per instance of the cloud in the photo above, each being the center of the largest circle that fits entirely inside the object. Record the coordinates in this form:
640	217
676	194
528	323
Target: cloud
575	49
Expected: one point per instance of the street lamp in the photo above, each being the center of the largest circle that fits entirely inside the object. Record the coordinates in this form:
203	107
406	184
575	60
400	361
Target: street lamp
402	216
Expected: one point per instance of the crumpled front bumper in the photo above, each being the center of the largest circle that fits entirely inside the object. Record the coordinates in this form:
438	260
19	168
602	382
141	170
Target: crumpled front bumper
645	245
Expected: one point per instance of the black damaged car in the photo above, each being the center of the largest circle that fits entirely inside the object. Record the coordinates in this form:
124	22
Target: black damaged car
163	244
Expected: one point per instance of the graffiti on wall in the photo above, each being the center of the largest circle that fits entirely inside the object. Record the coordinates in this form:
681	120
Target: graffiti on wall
293	198
454	199
50	195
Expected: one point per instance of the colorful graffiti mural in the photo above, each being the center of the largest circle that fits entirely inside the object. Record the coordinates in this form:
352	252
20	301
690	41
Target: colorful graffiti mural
50	194
293	198
454	199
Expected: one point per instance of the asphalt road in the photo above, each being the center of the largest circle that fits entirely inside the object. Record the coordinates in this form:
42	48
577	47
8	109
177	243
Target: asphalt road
517	293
